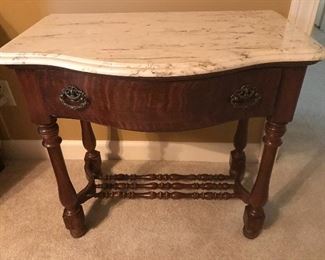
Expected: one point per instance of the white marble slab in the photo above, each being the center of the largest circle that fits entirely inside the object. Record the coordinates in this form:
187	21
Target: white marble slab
161	44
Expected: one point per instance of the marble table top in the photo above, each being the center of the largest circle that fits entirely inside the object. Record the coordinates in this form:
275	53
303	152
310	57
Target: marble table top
161	44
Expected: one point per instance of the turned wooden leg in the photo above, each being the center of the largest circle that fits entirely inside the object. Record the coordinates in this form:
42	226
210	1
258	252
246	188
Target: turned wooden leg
254	214
73	214
92	157
237	156
92	162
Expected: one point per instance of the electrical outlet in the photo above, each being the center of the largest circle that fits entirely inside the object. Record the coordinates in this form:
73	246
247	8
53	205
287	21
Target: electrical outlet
6	93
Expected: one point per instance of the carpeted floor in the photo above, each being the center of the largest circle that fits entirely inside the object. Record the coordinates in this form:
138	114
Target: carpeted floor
31	225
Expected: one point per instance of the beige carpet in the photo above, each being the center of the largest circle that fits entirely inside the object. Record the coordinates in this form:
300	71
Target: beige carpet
31	225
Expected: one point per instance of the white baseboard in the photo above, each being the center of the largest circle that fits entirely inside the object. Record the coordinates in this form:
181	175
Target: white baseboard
132	150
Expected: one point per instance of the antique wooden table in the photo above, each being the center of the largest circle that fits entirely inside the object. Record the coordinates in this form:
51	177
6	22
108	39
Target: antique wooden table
162	72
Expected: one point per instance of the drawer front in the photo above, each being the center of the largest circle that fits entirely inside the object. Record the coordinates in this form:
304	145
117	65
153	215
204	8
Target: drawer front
159	104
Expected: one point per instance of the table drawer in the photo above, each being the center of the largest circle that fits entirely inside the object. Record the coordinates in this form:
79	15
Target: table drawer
147	104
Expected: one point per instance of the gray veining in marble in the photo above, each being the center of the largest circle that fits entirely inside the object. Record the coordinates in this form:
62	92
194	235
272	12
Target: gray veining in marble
161	44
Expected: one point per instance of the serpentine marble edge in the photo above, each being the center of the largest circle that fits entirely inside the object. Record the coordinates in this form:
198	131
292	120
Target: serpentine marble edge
161	44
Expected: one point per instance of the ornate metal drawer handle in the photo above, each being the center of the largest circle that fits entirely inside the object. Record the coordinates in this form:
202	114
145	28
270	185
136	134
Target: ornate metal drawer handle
73	98
245	97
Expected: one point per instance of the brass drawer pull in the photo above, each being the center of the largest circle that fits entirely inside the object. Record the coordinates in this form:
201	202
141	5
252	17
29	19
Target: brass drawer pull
245	97
73	98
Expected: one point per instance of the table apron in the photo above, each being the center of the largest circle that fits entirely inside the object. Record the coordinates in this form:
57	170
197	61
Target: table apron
148	104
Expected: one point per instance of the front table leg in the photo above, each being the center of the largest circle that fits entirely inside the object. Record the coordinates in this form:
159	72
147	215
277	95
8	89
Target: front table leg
73	214
254	214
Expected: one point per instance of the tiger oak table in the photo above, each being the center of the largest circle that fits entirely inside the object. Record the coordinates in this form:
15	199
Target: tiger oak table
162	72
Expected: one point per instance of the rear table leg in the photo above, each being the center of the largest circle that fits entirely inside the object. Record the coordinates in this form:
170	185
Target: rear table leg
237	156
92	161
92	158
